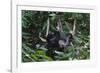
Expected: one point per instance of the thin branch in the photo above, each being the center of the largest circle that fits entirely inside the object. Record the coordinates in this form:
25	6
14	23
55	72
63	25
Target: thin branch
48	25
59	24
74	27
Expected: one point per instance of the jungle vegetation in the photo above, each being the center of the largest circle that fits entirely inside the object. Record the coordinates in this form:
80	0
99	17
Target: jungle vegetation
34	25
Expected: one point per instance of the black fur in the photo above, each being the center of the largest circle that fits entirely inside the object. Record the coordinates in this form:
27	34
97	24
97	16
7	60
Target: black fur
58	40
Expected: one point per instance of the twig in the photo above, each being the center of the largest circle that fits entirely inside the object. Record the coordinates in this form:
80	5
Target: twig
48	25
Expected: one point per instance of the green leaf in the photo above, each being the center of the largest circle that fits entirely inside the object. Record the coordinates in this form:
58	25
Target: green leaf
40	52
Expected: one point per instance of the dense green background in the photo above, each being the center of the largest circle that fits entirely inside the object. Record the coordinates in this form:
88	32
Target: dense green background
35	22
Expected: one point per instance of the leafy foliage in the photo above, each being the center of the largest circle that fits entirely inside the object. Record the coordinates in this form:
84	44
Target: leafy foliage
34	25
